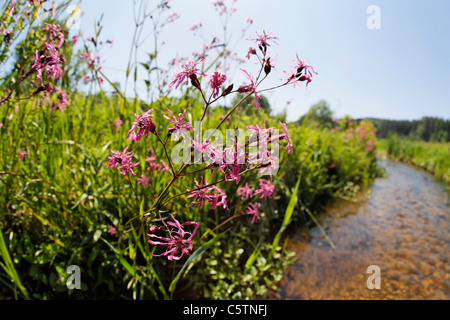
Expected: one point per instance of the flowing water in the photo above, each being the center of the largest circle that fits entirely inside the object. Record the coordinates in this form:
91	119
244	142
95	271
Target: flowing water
403	228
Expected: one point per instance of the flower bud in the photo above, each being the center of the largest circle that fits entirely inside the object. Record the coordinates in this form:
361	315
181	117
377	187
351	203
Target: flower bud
227	90
267	67
194	80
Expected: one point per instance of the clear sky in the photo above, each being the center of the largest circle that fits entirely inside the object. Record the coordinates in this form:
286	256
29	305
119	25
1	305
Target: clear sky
401	71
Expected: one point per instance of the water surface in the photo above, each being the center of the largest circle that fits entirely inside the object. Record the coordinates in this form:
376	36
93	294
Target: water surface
403	227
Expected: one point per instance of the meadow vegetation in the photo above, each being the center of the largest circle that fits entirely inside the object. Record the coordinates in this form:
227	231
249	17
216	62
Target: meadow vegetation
63	202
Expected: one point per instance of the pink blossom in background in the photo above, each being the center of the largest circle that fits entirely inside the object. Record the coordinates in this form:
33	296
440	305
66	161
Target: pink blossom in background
195	26
223	117
63	99
252	209
177	243
111	230
250	87
266	188
22	154
144	181
50	64
369	145
245	192
54	30
286	136
117	123
75	39
173	16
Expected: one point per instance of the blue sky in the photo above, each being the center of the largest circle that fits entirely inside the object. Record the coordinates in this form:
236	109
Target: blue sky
401	71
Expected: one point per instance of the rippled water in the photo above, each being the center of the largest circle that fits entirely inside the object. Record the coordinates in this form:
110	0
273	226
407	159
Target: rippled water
403	228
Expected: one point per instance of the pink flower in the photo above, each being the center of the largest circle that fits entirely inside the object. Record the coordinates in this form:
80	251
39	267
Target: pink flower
54	30
22	154
189	70
48	63
75	39
245	192
286	136
179	125
266	188
216	81
369	146
262	40
250	87
221	6
250	51
195	26
63	99
301	71
112	230
223	117
252	209
123	161
117	123
144	180
203	194
173	16
219	198
177	241
144	124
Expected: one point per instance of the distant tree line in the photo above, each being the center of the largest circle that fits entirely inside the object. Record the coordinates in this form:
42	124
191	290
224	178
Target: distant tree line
321	115
427	128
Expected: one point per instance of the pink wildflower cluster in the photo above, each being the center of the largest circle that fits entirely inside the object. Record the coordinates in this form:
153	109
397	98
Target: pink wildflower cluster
205	193
47	61
265	190
226	163
153	166
123	161
178	241
54	33
145	125
93	60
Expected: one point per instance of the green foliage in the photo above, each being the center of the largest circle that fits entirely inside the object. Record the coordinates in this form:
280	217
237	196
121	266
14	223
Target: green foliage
319	115
427	128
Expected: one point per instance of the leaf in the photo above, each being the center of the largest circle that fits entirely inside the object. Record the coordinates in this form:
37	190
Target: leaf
193	259
145	65
287	217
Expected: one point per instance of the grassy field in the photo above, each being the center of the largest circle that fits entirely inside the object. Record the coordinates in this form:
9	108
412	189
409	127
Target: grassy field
433	157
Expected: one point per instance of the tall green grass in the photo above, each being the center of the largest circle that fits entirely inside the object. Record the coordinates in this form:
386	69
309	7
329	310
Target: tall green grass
433	157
